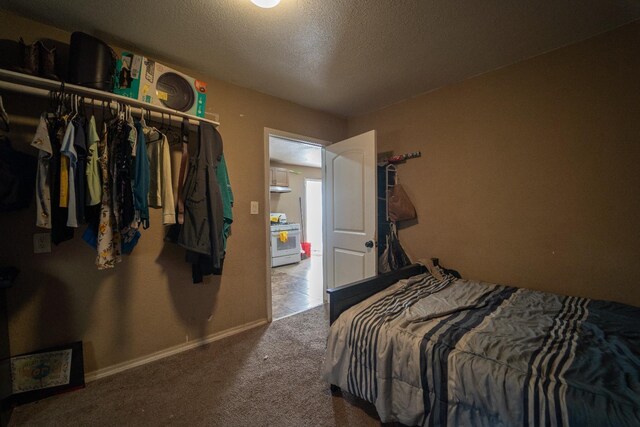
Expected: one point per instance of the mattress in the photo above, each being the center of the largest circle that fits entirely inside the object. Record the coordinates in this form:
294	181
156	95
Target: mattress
447	351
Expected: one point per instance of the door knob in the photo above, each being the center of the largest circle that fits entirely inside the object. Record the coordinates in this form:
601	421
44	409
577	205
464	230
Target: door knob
369	244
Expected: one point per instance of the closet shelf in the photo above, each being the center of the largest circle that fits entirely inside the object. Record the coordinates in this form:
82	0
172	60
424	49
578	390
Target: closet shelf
37	86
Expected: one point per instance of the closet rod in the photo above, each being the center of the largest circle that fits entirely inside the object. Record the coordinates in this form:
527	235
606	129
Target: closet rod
37	86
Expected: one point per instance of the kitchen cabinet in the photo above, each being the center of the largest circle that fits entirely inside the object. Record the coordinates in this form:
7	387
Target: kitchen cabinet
279	177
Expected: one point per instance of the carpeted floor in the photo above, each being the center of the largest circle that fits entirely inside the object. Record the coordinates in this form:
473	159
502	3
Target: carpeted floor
268	376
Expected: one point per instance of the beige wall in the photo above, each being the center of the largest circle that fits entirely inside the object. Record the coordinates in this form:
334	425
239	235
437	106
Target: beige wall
148	302
530	174
289	203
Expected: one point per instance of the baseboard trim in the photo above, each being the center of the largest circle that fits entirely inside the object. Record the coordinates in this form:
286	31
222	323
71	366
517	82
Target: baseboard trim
120	367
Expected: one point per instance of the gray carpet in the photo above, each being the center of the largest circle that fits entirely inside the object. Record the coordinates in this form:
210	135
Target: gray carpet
226	383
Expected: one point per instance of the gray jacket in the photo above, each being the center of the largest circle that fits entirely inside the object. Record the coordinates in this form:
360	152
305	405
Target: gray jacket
201	233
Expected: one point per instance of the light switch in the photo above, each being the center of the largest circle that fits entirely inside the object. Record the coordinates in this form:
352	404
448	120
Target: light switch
255	207
41	243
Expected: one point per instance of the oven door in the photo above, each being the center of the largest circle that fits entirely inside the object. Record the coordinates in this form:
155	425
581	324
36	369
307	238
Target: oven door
290	247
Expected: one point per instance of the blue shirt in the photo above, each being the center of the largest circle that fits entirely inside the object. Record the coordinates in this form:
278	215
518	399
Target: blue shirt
141	176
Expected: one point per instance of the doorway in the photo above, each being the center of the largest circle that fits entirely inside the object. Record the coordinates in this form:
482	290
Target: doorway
294	178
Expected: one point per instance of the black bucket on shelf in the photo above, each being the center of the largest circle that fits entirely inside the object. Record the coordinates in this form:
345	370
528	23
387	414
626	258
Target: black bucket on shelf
92	63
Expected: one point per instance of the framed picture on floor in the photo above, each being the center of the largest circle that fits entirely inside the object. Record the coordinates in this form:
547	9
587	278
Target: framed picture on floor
40	374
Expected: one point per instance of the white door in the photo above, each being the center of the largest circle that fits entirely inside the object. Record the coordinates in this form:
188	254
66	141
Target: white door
349	175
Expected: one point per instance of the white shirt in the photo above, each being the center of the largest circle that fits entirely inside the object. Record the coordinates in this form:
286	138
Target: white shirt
42	142
160	184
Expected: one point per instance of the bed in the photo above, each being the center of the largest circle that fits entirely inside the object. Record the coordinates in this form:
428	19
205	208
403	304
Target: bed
427	348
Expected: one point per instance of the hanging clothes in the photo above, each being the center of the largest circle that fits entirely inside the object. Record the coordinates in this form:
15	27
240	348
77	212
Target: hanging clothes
227	200
160	185
60	232
139	172
68	163
17	177
108	238
394	256
111	229
94	185
110	178
122	142
120	136
141	178
42	142
80	147
201	233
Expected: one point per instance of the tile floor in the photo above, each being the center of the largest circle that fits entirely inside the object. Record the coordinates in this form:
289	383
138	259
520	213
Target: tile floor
296	287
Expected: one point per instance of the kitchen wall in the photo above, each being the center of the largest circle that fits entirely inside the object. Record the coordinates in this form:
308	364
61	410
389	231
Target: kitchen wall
289	202
529	174
147	303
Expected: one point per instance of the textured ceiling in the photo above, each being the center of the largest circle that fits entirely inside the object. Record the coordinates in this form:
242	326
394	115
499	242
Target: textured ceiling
291	152
343	56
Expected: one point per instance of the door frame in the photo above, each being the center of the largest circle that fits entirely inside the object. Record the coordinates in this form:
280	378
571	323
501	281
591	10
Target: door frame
266	201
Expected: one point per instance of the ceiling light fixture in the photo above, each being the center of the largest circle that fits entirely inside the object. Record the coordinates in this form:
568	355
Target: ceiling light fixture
266	4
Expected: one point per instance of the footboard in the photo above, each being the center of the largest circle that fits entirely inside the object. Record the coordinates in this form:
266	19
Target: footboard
346	296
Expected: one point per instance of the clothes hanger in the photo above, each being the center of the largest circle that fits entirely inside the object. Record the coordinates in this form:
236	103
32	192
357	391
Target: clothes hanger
146	119
65	106
121	111
169	128
164	127
142	120
174	135
104	112
93	108
81	106
57	98
128	116
111	113
73	105
155	134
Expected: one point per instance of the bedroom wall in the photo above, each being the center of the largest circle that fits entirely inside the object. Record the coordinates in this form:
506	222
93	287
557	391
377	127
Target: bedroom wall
529	174
148	303
289	202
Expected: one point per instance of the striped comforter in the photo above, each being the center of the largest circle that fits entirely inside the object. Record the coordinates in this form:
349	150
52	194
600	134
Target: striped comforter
461	353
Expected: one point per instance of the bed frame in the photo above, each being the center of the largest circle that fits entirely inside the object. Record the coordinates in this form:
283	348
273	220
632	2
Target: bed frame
344	297
347	296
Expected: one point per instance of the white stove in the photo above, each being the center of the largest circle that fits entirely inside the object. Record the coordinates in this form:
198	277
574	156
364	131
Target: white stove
285	227
285	242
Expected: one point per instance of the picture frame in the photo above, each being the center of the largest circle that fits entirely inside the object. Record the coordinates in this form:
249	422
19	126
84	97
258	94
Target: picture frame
47	372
